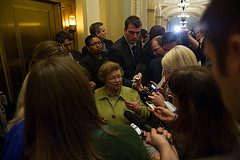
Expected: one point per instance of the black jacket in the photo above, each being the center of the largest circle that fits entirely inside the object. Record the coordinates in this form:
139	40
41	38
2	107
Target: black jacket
121	53
77	56
92	65
154	71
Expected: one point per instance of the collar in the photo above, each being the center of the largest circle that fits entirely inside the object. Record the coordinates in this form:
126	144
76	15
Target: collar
104	94
129	44
110	94
168	70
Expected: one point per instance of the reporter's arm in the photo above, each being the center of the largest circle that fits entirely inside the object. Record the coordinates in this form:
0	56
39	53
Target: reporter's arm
164	114
193	42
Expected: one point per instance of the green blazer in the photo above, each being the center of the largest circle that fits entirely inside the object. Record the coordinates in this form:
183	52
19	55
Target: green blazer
114	114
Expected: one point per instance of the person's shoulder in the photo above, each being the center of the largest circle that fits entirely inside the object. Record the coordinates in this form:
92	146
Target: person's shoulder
118	42
75	52
122	128
100	93
108	41
84	50
86	61
115	128
104	53
128	89
17	129
77	55
99	90
87	57
156	60
128	92
13	145
121	143
117	131
146	45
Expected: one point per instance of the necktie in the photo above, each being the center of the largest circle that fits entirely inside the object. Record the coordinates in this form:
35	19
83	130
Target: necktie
134	50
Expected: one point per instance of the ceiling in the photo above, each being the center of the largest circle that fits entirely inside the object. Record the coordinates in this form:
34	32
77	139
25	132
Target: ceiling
169	9
177	1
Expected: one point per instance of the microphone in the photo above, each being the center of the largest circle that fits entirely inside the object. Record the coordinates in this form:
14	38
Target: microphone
135	80
141	123
138	121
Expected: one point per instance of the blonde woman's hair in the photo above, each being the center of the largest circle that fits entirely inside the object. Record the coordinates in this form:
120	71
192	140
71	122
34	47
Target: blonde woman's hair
179	56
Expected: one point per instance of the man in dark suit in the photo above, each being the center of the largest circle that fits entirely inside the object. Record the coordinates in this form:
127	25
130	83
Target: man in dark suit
99	30
154	71
126	51
146	53
66	40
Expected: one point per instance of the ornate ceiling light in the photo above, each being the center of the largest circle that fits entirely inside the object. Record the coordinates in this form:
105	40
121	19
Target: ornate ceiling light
183	15
183	4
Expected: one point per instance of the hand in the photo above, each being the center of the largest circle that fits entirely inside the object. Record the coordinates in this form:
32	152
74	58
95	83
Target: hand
185	32
92	84
138	86
134	106
104	119
139	75
157	99
167	151
158	87
156	156
150	137
163	114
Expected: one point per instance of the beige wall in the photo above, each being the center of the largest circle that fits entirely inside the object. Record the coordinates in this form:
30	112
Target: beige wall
111	12
143	13
81	19
150	19
114	19
93	14
139	8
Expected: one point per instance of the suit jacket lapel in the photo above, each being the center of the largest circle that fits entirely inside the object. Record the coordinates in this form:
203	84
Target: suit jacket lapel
128	52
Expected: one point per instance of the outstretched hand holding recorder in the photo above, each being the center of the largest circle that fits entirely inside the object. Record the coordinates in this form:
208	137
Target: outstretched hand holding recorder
141	123
158	139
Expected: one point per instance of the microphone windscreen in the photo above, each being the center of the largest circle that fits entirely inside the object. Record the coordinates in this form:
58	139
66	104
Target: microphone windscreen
138	121
141	123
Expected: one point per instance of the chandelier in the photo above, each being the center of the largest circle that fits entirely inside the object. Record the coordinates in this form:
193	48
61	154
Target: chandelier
183	22
183	15
183	4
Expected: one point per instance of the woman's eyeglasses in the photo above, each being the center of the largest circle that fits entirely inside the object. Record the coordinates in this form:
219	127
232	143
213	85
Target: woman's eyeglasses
95	44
